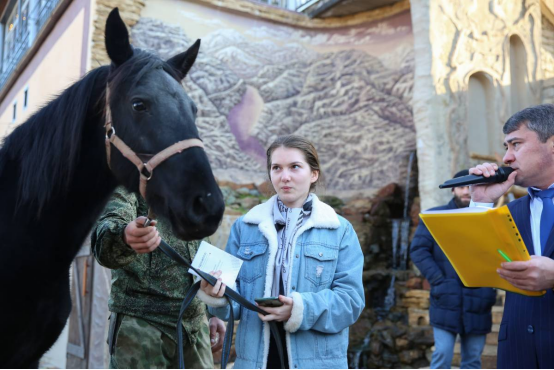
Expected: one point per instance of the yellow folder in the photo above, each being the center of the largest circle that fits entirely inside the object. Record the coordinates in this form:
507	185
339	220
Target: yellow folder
471	238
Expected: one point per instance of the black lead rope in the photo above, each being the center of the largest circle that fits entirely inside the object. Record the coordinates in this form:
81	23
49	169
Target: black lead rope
230	294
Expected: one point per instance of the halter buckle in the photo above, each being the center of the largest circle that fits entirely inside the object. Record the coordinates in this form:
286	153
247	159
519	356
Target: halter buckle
149	174
110	132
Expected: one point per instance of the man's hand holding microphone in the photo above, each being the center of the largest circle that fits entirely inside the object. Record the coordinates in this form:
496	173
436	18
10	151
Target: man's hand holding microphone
489	193
535	274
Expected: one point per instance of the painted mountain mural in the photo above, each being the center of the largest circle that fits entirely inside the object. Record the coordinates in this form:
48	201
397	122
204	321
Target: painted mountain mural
354	106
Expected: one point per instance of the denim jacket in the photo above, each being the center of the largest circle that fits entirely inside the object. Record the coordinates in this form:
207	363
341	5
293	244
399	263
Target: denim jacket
325	283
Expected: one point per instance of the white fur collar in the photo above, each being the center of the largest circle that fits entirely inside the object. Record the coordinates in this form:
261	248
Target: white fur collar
323	216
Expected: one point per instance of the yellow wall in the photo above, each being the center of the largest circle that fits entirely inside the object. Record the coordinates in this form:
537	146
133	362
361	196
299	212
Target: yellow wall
57	64
547	9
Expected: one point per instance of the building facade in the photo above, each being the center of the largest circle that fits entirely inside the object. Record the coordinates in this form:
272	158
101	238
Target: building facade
370	83
369	88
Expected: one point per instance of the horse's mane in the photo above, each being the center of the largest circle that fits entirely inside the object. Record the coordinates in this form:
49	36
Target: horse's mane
133	70
47	145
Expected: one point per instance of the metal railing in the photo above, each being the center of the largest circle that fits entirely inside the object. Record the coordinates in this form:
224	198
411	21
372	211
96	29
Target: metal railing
294	5
45	11
38	16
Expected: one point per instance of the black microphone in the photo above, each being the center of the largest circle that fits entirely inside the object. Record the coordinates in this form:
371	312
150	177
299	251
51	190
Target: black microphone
500	176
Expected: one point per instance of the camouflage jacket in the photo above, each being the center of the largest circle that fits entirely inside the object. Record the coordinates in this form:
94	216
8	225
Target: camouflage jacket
150	286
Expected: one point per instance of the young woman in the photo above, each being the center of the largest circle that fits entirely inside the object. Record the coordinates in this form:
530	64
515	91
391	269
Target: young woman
296	248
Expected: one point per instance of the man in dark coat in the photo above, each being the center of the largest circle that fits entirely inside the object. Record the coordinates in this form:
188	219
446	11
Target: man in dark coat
454	309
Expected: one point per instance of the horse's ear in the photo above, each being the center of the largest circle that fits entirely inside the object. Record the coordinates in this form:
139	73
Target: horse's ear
184	61
117	39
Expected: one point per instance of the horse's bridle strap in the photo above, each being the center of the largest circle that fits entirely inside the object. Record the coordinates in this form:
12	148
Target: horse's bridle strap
113	139
122	147
178	147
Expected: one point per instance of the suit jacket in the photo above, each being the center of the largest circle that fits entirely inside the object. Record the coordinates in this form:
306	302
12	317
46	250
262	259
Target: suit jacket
526	337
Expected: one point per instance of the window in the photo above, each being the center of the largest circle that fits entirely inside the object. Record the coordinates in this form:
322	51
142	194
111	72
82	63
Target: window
10	31
25	98
18	31
14	116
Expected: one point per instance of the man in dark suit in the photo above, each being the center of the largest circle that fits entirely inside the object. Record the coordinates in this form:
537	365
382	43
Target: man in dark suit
455	310
526	337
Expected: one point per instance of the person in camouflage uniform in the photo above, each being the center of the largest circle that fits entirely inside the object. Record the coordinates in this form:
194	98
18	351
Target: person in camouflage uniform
147	290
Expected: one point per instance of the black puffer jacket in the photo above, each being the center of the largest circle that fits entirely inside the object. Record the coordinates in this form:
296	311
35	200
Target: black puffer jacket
453	307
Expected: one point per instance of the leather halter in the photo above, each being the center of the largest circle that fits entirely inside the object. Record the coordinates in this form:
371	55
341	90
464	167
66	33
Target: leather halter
149	166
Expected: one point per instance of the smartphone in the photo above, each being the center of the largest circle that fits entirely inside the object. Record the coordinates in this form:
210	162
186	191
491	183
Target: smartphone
269	302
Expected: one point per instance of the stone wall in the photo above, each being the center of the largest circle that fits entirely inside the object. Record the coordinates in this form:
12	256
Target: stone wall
547	60
454	39
393	330
130	13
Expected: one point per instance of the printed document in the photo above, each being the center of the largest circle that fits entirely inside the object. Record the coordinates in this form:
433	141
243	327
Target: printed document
210	258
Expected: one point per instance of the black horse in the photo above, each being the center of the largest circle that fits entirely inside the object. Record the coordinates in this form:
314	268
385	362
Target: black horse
55	181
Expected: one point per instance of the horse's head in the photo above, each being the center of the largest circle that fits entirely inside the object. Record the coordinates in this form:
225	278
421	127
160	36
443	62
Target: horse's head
150	112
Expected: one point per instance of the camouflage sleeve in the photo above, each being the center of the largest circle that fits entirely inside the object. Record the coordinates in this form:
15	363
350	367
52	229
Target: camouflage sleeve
107	243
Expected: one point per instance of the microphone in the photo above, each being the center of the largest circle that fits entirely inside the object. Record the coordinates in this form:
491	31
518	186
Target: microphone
500	176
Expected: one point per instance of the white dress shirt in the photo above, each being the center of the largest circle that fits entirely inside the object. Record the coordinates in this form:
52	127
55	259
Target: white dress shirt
535	206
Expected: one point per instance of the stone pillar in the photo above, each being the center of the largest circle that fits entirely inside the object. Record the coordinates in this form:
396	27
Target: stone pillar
453	40
547	51
432	156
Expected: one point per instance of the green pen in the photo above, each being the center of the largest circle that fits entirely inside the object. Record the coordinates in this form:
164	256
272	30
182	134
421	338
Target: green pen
504	255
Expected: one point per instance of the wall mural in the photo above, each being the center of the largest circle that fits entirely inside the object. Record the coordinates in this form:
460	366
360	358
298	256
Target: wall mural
331	86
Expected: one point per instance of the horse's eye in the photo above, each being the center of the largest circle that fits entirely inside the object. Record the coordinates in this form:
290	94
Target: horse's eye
139	106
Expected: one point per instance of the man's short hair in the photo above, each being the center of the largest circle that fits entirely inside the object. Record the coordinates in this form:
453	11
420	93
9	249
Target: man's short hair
461	173
539	118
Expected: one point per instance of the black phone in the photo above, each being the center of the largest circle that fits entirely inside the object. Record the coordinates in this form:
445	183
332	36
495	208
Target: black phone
269	302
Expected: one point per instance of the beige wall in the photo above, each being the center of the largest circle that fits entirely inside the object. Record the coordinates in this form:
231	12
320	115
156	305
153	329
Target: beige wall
547	9
59	62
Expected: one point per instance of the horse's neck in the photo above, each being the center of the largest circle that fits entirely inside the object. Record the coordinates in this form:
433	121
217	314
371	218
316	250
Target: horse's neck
54	236
88	192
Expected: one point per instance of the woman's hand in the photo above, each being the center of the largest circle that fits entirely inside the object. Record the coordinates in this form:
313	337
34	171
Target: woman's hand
278	313
217	290
217	333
